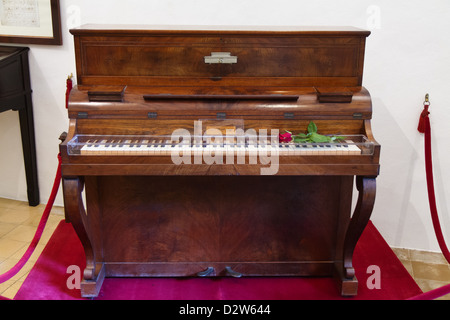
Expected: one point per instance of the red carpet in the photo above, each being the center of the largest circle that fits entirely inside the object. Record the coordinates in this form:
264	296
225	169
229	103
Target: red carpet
47	280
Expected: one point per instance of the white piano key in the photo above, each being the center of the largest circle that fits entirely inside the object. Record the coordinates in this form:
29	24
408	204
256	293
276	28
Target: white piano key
331	150
106	148
240	153
157	147
134	147
117	147
309	149
281	149
252	150
352	148
186	149
298	149
101	147
197	150
340	149
163	148
229	150
84	149
151	147
143	147
126	147
89	148
293	149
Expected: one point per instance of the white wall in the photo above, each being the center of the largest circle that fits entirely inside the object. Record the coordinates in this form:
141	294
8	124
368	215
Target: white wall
408	55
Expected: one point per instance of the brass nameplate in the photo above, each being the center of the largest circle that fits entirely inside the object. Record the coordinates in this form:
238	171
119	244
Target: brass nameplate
220	58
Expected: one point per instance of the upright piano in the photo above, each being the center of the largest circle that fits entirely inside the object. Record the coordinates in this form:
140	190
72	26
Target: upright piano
177	160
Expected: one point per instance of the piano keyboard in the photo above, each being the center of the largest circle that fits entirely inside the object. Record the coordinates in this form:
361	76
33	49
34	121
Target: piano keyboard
161	147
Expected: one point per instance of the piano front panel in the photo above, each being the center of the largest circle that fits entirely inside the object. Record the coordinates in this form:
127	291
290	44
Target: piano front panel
156	58
257	61
182	213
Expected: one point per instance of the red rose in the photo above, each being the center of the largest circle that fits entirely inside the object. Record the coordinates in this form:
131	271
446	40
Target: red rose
286	137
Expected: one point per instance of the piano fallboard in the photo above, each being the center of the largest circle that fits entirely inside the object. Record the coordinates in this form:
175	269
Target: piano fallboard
261	103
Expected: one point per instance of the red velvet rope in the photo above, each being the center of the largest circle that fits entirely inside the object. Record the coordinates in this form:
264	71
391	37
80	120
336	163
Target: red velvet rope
430	185
37	236
69	85
425	127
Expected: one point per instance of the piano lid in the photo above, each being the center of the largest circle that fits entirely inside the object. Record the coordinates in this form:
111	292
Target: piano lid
221	29
218	56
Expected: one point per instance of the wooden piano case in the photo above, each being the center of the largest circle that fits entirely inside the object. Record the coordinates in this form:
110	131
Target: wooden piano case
145	216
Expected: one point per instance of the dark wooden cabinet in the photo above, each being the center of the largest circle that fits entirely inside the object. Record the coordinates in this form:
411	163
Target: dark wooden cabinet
15	94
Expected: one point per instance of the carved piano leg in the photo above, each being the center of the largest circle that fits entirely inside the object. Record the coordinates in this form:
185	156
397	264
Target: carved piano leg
94	272
345	273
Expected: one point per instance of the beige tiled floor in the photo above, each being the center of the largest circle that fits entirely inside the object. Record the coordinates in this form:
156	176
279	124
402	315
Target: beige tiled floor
430	270
18	223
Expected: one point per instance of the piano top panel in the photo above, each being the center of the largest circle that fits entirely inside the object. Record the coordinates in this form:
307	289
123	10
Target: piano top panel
175	56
